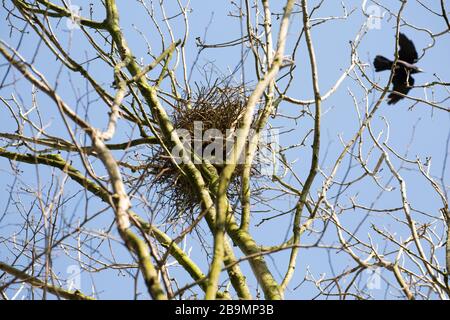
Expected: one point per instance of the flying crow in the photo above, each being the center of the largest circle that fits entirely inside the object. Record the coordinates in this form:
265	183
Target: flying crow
402	79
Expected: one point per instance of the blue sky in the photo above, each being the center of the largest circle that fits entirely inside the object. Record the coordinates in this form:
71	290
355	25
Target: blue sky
429	127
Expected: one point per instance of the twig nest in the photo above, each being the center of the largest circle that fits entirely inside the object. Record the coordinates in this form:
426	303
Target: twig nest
206	123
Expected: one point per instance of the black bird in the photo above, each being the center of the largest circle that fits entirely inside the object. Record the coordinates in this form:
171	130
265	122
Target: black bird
402	79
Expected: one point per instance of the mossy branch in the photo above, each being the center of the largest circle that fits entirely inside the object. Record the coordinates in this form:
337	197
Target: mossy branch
37	283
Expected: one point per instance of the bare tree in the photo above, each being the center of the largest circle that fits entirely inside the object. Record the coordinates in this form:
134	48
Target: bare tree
125	150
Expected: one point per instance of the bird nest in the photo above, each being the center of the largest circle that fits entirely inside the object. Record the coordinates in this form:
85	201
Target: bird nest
216	109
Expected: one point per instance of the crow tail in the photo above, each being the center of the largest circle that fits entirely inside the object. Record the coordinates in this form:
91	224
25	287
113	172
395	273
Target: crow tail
381	63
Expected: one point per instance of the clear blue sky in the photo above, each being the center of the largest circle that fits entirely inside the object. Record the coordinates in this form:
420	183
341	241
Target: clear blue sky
331	41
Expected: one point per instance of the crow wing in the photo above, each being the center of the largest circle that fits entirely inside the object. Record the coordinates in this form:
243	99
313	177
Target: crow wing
402	83
407	51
